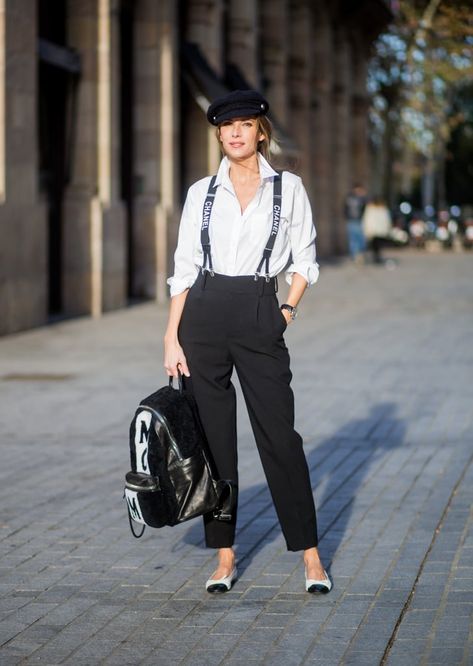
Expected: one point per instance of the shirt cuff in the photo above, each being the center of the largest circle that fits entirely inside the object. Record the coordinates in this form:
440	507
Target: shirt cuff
178	285
308	270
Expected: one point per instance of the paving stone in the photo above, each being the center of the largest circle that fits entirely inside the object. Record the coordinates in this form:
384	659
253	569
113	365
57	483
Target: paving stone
327	651
382	376
363	658
399	658
447	655
284	658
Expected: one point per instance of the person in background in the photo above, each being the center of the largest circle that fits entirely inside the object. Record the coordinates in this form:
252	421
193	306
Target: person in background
355	203
376	223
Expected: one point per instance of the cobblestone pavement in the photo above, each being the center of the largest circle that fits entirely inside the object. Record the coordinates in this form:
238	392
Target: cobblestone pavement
383	368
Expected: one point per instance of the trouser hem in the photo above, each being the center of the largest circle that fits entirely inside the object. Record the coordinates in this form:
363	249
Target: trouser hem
221	545
294	549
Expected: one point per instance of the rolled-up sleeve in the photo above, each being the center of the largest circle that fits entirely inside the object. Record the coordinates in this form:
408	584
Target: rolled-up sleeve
302	236
185	268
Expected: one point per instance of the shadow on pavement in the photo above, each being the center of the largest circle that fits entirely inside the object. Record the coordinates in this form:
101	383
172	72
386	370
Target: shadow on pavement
339	466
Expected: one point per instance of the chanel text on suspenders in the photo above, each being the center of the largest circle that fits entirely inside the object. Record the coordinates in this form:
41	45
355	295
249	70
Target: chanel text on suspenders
204	231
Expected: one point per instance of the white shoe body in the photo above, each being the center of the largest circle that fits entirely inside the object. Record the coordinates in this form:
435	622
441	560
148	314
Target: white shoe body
221	584
318	586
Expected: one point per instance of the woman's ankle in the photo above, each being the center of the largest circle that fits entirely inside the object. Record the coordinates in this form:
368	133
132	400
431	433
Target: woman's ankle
226	553
311	555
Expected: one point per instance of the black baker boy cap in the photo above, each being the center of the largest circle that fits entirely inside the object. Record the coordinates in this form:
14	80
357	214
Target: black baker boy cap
237	104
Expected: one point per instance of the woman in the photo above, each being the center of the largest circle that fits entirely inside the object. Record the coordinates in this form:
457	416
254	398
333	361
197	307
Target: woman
224	314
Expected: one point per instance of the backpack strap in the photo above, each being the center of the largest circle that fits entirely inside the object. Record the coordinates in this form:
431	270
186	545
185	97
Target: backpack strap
131	521
277	200
204	230
226	500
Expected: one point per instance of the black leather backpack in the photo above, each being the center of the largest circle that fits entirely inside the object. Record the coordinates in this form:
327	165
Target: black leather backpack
172	478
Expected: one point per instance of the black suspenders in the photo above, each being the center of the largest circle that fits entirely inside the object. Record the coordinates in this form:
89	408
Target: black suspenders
277	184
204	231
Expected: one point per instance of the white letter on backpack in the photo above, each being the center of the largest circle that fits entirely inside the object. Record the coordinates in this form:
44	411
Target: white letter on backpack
142	425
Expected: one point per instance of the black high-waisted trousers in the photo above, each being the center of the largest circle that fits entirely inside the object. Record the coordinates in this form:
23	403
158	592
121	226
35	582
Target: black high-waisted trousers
235	322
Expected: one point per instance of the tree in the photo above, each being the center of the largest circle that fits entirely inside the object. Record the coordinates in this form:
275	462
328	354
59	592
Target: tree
459	162
419	64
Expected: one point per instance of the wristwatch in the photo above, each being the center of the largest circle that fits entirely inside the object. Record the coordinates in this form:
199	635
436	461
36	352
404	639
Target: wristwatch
291	309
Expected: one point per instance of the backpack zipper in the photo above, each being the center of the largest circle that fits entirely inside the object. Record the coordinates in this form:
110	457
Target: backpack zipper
159	417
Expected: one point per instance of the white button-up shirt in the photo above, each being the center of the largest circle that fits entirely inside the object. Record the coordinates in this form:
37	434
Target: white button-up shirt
237	239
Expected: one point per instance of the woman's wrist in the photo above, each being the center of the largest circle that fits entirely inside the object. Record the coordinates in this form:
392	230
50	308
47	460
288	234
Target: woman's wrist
289	310
170	337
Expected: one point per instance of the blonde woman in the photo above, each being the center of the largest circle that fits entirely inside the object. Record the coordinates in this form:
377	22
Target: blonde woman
238	230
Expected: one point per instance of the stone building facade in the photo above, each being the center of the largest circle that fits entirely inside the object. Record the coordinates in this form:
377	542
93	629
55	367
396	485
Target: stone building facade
102	129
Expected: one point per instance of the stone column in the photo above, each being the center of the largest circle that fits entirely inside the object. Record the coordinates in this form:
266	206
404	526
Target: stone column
156	145
170	147
299	82
274	39
321	130
3	46
204	26
82	252
341	135
243	39
94	232
23	225
114	221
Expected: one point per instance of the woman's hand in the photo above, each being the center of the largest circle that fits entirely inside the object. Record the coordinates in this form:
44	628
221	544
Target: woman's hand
287	316
174	359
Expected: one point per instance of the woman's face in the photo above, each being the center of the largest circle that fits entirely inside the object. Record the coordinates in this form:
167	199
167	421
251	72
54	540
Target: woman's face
240	137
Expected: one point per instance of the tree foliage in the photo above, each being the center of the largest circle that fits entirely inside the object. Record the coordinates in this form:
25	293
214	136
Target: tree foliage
419	65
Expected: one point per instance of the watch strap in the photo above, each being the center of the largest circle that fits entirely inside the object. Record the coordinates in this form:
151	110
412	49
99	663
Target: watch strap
292	309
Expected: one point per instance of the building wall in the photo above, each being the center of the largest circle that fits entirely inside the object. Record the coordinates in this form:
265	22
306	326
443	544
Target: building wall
117	239
22	215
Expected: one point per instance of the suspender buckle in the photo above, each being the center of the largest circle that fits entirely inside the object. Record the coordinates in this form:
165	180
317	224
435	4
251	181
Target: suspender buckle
266	277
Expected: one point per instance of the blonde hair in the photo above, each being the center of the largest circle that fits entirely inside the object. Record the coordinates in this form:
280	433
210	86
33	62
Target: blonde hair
264	127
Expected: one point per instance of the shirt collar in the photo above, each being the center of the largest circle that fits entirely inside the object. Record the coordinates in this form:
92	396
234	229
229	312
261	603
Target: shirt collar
265	169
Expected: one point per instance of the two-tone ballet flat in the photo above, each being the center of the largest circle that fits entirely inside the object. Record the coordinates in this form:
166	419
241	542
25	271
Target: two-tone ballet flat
318	586
221	584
